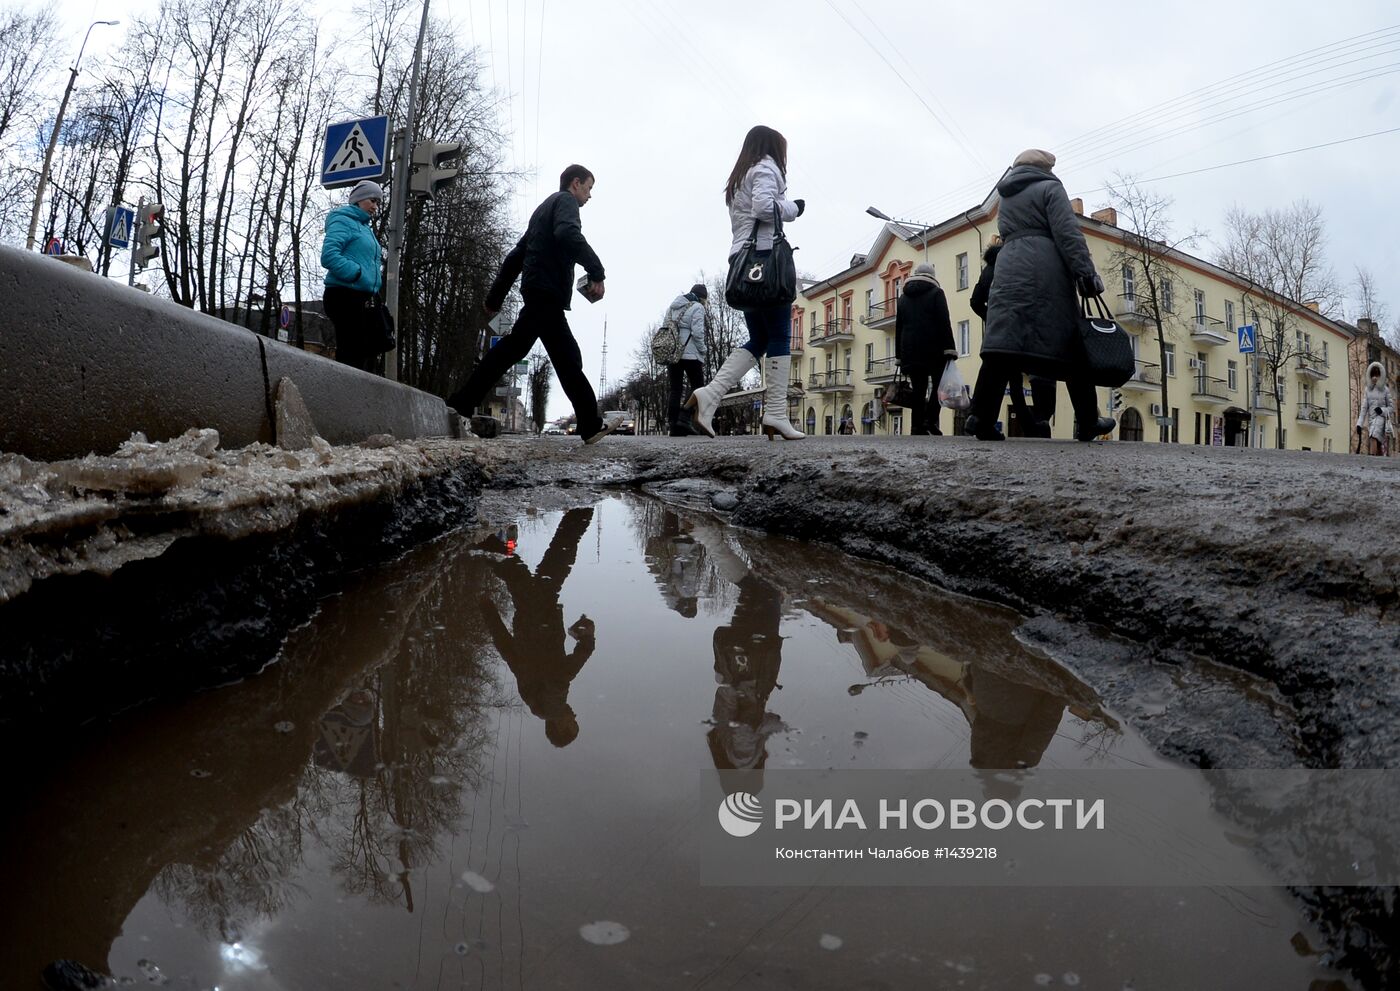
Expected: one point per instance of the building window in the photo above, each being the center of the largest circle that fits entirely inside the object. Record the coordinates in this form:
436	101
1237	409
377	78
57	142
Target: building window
869	300
1129	287
964	337
846	308
869	357
962	270
814	321
1324	352
1327	401
1170	355
1229	316
1232	374
1168	297
1200	306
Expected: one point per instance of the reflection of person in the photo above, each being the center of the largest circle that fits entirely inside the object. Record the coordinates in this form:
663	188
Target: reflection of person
688	311
544	260
1032	310
757	188
352	259
535	650
1012	723
748	653
1376	417
676	559
923	343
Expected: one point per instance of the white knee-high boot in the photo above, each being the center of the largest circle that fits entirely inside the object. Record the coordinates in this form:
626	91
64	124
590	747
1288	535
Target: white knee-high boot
705	400
777	369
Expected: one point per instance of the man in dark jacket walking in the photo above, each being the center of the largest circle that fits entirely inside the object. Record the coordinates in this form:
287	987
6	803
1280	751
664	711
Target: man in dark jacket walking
552	244
923	343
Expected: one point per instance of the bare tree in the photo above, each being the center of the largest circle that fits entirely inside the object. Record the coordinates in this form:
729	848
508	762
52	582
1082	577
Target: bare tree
1146	249
540	379
1279	254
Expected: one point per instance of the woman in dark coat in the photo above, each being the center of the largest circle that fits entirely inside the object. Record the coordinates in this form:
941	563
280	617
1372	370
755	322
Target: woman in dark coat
923	343
1033	310
1038	417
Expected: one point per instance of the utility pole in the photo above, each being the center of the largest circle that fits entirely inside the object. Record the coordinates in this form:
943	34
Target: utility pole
398	196
53	139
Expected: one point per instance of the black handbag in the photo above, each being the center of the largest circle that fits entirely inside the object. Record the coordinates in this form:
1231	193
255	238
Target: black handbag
380	324
761	280
1107	350
900	392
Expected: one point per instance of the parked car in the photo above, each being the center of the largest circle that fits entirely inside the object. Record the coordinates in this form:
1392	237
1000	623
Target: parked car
553	429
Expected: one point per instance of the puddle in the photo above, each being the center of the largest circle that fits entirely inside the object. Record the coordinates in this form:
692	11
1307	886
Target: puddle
477	766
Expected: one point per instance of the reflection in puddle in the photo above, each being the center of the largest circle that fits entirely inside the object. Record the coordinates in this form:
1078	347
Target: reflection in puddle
478	768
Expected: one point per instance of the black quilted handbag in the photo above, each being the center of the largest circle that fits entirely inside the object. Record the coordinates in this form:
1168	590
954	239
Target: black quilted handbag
900	392
1107	351
761	280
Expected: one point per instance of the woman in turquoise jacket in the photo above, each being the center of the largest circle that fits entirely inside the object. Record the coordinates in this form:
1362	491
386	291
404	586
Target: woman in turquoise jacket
353	261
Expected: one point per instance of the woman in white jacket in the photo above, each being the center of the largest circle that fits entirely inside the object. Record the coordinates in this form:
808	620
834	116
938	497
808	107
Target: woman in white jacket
1377	412
756	186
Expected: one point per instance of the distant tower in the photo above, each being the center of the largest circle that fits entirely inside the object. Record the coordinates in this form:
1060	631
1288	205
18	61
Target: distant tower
603	368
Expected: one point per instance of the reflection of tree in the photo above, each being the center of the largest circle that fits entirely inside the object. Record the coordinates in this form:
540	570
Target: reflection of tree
424	706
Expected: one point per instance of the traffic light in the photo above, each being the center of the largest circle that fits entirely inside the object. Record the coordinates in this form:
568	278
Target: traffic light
151	220
1117	401
428	171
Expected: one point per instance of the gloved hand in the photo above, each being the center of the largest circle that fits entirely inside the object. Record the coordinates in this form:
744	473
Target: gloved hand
1091	286
801	206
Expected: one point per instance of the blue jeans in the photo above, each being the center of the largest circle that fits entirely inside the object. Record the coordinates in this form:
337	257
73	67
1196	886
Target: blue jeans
770	331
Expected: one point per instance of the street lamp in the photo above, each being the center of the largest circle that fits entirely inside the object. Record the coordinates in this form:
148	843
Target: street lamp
53	138
882	215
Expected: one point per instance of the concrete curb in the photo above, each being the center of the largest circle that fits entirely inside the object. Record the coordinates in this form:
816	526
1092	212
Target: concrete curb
85	362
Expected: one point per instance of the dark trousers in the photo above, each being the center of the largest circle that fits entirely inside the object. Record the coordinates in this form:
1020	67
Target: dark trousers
543	321
691	369
998	371
923	415
350	312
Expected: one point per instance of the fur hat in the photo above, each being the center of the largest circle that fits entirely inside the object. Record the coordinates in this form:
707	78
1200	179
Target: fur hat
1036	157
366	190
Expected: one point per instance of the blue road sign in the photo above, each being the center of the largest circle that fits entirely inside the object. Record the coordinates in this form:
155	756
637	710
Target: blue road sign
494	341
119	233
1247	339
284	319
355	150
54	247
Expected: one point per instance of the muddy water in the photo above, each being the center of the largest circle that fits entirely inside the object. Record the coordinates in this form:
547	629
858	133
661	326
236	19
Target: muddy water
477	768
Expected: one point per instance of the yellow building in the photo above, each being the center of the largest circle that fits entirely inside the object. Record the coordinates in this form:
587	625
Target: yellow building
1215	394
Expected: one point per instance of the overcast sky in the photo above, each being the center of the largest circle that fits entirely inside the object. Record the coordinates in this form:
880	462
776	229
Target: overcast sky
655	98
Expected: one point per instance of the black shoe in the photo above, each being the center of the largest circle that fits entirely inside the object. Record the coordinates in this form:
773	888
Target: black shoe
1041	428
1103	425
974	429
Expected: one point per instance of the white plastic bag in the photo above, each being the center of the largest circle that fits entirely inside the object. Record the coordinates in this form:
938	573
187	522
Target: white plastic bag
953	392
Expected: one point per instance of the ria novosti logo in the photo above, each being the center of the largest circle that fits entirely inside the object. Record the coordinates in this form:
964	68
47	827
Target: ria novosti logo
741	814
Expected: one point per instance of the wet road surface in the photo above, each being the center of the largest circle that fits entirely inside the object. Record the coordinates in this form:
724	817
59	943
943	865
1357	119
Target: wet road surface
478	768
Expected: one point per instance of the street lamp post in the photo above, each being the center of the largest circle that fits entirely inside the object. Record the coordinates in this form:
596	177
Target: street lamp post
53	138
881	215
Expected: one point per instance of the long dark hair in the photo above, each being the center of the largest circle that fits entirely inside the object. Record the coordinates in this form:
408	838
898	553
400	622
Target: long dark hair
760	141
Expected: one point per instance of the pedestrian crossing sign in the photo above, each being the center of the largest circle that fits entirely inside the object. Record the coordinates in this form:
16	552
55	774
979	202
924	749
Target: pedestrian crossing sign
1246	338
355	150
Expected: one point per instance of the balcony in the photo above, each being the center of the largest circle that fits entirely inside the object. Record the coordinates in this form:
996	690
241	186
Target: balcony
837	380
1147	377
1209	331
1263	404
833	333
1211	391
1129	314
1313	415
881	371
1312	366
881	314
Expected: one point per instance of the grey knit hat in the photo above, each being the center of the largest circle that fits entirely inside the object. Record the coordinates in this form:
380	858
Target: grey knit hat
699	291
923	273
1037	157
366	190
